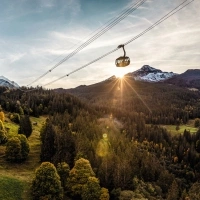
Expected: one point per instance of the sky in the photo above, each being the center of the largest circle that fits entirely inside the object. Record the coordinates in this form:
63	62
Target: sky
36	34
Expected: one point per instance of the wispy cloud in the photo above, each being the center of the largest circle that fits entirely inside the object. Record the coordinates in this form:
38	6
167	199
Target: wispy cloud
49	30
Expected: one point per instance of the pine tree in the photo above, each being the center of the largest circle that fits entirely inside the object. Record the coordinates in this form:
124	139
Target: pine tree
24	147
173	192
63	171
47	135
25	126
194	191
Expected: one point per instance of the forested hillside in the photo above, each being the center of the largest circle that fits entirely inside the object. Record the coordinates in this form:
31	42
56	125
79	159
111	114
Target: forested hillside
112	144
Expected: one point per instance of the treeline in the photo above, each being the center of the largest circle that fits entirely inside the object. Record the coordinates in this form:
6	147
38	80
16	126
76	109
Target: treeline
160	103
36	102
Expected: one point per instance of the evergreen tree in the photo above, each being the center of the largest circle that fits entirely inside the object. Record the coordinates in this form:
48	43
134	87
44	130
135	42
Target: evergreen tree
78	177
194	192
17	149
13	150
173	192
15	118
46	183
65	147
25	126
165	180
63	171
197	123
47	136
91	190
24	146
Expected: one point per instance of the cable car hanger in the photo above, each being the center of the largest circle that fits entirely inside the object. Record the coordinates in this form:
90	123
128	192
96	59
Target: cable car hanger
122	61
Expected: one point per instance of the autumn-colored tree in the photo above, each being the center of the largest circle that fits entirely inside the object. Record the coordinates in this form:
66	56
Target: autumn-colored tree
3	136
46	183
2	116
126	194
104	194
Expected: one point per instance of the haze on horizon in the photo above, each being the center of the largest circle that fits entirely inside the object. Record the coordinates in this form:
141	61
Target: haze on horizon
35	35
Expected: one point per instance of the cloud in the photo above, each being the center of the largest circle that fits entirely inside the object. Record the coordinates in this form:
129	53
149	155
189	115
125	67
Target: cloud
52	29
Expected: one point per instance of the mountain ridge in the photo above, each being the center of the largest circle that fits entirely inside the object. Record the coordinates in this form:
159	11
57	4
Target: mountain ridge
5	82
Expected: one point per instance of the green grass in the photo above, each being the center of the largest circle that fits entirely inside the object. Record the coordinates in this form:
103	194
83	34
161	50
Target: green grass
18	176
11	188
188	127
12	128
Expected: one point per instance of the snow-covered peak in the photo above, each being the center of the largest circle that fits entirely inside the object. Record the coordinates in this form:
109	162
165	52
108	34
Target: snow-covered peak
7	83
147	68
155	77
147	73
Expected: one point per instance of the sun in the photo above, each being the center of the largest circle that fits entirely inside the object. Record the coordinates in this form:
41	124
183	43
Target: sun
119	73
120	76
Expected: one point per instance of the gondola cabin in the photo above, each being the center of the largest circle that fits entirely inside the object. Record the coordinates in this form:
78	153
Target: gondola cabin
122	61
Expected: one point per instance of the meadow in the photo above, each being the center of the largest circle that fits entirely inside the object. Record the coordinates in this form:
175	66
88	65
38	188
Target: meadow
16	178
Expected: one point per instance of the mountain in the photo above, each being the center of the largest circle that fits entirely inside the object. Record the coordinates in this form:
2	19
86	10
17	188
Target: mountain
150	74
7	83
189	79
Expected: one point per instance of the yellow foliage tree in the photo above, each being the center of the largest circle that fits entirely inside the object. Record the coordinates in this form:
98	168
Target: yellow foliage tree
2	116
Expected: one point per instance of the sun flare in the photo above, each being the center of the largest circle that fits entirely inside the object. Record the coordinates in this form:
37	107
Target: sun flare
119	73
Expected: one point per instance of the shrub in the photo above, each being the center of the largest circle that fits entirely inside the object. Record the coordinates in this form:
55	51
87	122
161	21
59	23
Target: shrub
17	149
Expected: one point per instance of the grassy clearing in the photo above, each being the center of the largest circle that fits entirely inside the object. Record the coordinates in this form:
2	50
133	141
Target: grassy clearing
11	188
21	172
188	127
12	128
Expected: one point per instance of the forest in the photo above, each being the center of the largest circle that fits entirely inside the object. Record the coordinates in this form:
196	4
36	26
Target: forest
100	146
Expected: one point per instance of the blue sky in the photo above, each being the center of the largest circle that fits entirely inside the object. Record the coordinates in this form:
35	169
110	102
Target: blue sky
37	34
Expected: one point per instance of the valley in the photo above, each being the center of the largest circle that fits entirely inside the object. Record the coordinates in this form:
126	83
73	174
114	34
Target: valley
133	134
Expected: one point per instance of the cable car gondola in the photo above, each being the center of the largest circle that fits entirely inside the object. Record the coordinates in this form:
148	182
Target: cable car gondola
122	61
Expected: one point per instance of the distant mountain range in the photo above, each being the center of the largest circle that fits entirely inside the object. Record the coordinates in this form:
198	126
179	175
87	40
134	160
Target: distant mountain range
7	83
147	75
188	79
